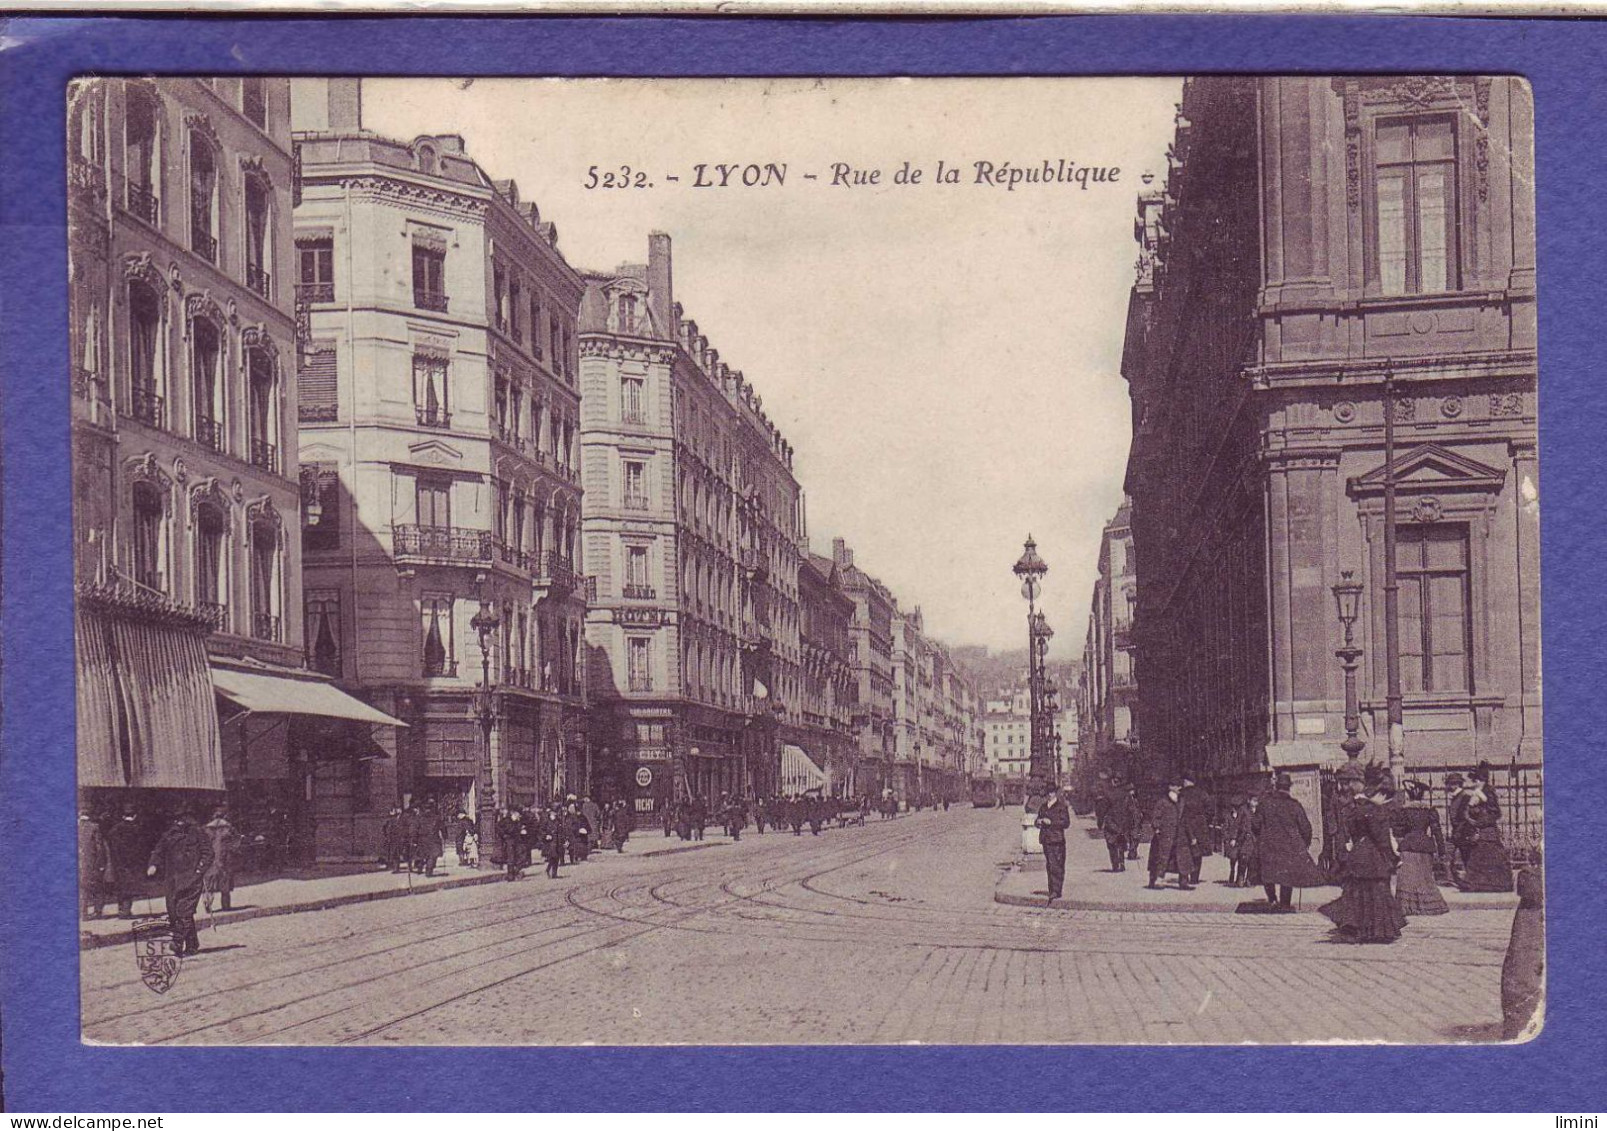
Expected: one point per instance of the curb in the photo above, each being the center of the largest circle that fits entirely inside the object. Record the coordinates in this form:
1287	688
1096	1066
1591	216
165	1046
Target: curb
1506	903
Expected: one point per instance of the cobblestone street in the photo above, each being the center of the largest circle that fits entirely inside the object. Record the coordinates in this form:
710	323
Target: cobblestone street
884	934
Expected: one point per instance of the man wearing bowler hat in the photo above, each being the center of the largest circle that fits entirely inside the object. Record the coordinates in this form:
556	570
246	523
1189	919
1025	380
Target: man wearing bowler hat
1054	818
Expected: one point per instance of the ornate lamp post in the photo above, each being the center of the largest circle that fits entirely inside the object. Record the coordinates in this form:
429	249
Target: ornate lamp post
485	624
1347	599
1030	568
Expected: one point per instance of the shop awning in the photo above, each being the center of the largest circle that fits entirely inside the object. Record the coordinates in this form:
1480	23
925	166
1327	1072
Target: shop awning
800	772
265	693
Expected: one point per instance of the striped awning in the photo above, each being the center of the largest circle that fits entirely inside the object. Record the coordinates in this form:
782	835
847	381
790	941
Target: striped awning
799	772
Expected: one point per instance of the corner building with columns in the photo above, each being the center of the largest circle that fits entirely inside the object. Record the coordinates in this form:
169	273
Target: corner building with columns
1389	235
439	415
694	530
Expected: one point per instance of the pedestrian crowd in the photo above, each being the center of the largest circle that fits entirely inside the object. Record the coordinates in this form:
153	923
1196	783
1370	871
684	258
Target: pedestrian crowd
559	833
1387	856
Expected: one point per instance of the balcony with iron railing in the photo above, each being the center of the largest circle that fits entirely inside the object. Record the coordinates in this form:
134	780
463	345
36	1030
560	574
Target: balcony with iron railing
259	280
317	413
553	572
510	555
266	626
432	417
639	592
209	433
146	406
631	502
264	454
449	544
440	669
430	300
216	612
315	292
85	177
204	244
139	201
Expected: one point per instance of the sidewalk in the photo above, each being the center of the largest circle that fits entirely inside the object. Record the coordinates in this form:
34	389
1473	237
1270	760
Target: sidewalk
320	889
1091	885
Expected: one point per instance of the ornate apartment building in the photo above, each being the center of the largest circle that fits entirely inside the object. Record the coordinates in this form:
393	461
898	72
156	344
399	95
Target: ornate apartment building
1107	688
828	688
871	650
1389	236
694	527
186	497
439	432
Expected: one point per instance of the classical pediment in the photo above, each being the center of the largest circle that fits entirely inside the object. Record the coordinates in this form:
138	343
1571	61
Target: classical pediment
1431	467
434	453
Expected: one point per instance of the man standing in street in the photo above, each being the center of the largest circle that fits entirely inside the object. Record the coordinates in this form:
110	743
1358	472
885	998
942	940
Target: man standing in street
1054	818
1282	834
126	845
1118	820
181	858
1169	847
1196	824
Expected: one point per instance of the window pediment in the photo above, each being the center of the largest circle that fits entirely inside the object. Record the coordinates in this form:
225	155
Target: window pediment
1431	467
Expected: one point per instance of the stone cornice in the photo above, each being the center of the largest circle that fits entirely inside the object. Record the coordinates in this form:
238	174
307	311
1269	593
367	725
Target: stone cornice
414	197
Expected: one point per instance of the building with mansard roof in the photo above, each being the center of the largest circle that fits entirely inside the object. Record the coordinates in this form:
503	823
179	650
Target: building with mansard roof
439	413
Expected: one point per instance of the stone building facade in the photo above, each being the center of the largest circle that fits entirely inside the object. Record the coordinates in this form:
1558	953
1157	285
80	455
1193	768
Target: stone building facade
1107	687
439	412
871	647
828	690
1390	236
695	532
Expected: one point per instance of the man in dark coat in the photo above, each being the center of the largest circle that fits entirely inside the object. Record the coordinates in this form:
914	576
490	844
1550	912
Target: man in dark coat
1169	848
511	836
1283	845
390	852
622	824
94	867
125	843
181	859
1054	818
1118	820
1196	824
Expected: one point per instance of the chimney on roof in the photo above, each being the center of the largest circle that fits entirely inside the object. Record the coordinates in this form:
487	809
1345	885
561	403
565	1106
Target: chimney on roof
840	553
333	105
660	283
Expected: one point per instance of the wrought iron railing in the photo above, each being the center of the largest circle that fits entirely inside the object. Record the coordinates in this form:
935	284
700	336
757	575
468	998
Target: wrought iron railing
555	571
446	543
264	454
433	417
430	300
266	626
512	555
209	433
140	201
640	592
315	292
315	413
441	669
632	502
205	245
216	612
259	280
145	406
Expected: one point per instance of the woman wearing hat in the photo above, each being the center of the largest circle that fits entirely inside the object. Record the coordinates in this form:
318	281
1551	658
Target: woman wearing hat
1366	911
1478	831
1418	832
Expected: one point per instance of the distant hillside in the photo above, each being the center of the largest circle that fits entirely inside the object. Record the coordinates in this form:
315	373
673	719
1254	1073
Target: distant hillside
997	672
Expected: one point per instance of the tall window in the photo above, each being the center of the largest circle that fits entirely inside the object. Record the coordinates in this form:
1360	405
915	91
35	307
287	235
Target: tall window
626	317
139	153
636	583
1432	562
499	287
254	101
633	400
261	409
203	198
500	402
258	247
144	336
149	513
265	581
434	499
317	383
206	376
535	324
324	533
317	269
322	631
430	401
429	278
635	484
210	526
515	301
1416	202
440	655
640	672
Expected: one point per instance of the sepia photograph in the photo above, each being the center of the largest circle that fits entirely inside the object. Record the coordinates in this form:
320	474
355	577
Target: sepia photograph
806	561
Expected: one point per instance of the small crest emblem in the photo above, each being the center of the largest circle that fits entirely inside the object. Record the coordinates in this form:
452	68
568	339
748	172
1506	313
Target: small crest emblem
154	954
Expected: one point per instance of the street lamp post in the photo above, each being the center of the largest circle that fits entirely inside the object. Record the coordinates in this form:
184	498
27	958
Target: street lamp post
1392	615
1347	599
485	624
1030	568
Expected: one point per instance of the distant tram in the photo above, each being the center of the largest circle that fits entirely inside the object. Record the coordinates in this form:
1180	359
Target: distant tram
984	793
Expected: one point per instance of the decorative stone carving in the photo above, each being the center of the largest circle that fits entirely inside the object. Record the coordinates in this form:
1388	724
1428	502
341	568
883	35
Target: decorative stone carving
208	492
1345	412
145	469
196	122
1481	140
181	474
1426	509
263	511
251	166
1405	409
258	338
201	304
239	491
1503	405
1451	407
139	267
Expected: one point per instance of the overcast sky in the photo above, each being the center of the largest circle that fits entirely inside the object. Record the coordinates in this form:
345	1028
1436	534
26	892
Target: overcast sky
944	358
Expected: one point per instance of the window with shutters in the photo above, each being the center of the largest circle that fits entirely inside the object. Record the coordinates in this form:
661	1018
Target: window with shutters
317	388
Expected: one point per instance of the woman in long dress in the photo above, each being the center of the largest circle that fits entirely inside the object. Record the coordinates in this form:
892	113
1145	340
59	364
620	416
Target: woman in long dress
1487	867
1367	911
1418	834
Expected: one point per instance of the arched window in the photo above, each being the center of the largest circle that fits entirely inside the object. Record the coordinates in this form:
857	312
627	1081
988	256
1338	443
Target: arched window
148	539
141	113
145	355
211	564
203	197
429	161
206	381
